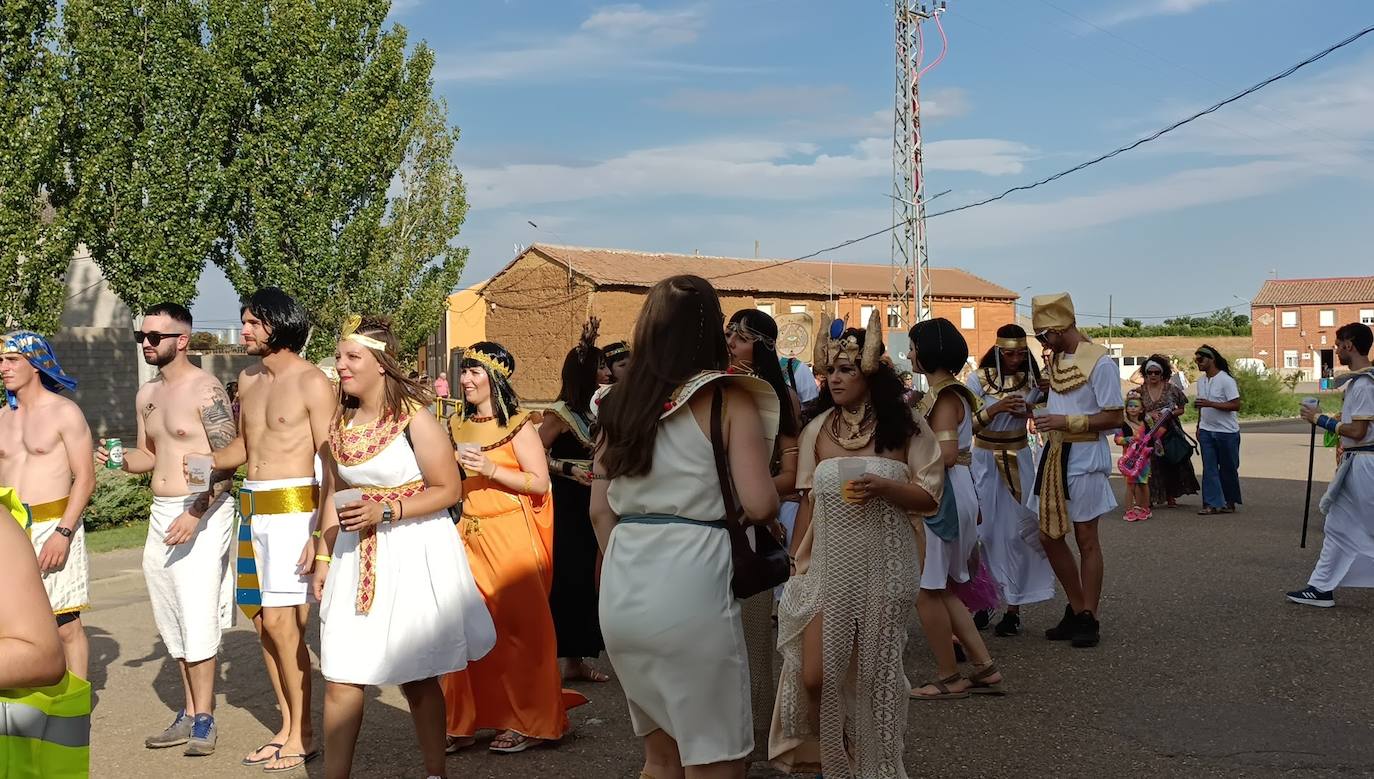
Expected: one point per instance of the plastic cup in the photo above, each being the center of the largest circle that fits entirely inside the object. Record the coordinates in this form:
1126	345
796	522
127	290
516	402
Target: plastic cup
850	468
347	497
198	468
1311	403
465	449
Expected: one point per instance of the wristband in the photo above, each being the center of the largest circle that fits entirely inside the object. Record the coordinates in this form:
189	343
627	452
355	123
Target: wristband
324	558
1327	423
567	468
317	534
1078	423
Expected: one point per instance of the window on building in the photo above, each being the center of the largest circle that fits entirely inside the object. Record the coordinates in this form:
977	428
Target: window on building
1290	358
1326	317
766	308
797	308
864	313
967	320
1289	319
894	318
1367	316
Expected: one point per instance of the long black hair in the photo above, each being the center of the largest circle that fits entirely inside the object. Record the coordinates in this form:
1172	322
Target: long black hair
765	364
937	344
680	333
580	367
895	424
286	320
992	358
1221	363
504	402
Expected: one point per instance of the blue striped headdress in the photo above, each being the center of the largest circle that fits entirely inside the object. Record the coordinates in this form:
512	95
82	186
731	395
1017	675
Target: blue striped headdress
38	352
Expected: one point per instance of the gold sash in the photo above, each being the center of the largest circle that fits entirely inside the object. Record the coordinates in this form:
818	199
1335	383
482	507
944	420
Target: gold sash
1053	483
282	500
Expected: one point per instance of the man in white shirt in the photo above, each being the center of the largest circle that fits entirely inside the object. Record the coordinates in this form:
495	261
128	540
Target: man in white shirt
1218	432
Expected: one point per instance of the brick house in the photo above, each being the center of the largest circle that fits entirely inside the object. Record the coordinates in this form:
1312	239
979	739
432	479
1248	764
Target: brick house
536	305
1294	321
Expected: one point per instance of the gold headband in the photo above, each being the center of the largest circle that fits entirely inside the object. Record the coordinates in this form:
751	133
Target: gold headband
1011	343
488	362
616	351
350	333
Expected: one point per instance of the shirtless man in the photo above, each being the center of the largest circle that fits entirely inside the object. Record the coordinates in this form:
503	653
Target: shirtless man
285	407
45	456
186	560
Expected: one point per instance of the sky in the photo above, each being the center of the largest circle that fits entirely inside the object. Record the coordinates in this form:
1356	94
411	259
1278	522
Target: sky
708	125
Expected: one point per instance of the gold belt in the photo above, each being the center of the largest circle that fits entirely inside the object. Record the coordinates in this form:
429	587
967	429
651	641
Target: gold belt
1077	438
46	512
1007	441
965	458
282	500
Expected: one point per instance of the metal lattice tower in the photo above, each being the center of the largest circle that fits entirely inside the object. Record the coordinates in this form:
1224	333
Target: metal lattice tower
910	258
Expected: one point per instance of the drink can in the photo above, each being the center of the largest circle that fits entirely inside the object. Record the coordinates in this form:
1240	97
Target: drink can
116	449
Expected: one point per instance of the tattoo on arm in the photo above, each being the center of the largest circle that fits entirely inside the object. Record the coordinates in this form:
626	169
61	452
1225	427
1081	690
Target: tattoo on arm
217	418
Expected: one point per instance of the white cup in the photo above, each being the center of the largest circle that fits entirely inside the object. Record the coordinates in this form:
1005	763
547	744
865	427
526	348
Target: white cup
198	468
464	449
347	497
851	468
1311	403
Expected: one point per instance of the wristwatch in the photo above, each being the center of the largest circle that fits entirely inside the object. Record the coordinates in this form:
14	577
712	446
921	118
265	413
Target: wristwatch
65	531
387	513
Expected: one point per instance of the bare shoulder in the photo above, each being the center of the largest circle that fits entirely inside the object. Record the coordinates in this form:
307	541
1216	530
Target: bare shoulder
67	413
250	376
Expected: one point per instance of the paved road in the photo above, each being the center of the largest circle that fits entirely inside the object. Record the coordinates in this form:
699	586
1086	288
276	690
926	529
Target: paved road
1204	670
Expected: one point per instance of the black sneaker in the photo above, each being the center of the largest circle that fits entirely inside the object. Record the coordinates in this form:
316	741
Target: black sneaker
1066	627
981	619
1087	634
1010	625
1313	597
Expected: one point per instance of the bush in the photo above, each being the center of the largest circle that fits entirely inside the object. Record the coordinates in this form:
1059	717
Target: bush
1268	397
119	499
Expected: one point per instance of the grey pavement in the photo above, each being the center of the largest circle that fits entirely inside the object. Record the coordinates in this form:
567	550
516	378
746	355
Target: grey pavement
1204	669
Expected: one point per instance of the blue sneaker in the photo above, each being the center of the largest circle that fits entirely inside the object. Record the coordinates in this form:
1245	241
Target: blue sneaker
1313	597
176	734
203	737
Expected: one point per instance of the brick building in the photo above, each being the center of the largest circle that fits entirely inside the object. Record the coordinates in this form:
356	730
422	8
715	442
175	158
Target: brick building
1294	321
536	305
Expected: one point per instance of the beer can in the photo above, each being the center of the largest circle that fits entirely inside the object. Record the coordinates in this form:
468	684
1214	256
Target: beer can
116	449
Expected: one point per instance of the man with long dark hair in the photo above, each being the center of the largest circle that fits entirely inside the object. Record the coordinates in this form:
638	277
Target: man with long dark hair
1347	558
186	563
1218	431
1008	384
1072	488
286	405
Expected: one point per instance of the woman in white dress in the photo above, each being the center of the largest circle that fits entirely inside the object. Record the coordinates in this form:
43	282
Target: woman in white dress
869	469
670	620
939	351
398	604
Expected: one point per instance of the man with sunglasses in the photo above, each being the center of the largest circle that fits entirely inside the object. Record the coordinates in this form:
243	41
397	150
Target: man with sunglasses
1347	557
1072	487
45	457
186	562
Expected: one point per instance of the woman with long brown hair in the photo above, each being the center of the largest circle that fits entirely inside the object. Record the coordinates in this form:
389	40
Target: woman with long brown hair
398	604
670	620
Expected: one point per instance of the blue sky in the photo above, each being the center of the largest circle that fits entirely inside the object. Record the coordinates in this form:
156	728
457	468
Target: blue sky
682	126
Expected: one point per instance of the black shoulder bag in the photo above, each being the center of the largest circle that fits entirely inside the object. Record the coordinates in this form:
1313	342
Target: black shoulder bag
762	564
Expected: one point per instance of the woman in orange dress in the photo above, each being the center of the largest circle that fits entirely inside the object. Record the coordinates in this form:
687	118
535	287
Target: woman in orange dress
507	528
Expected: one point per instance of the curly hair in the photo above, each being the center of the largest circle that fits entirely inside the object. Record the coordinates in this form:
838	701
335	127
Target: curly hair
895	424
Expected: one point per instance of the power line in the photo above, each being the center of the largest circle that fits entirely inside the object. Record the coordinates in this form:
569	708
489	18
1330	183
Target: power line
1160	133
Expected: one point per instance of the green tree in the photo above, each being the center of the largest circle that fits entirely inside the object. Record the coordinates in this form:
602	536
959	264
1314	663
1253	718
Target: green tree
416	266
333	105
35	242
152	133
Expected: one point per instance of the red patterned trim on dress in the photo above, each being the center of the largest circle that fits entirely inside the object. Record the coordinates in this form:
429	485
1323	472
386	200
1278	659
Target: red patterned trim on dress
367	542
356	445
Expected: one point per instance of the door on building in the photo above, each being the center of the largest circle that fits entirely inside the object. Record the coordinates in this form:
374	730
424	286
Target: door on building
1328	363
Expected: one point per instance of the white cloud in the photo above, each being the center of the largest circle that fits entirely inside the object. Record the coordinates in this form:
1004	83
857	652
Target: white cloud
760	101
625	41
1144	9
730	168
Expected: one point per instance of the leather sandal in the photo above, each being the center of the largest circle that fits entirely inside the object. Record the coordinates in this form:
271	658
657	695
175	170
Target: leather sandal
981	687
944	693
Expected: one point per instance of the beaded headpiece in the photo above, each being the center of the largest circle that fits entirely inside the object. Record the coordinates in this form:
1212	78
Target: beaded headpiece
488	362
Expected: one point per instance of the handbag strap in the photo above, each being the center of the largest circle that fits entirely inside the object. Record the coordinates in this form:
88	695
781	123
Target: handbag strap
727	494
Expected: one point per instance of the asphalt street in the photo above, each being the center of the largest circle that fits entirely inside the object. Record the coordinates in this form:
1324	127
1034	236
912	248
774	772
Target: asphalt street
1204	669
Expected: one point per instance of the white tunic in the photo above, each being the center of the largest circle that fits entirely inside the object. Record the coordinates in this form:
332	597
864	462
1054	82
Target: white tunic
191	585
1347	557
427	617
947	561
1090	464
1010	532
671	623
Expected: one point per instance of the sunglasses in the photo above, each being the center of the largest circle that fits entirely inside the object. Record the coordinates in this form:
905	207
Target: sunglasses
1044	335
1154	373
153	338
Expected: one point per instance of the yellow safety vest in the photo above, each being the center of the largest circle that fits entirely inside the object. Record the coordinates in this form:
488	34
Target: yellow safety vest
45	732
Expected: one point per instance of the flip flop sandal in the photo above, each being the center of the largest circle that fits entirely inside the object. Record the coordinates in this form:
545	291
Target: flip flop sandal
981	687
944	694
519	744
304	758
263	760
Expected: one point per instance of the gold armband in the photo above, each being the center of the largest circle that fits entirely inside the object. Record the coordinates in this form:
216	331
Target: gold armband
946	435
1078	423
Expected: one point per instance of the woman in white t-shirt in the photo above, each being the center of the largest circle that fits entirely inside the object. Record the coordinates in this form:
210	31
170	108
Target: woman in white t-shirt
1218	403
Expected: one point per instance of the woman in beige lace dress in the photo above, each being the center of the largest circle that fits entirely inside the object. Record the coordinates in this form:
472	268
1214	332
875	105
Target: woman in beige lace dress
869	470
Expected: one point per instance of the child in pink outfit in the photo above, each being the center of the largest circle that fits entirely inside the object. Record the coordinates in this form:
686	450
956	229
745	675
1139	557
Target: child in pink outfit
1137	481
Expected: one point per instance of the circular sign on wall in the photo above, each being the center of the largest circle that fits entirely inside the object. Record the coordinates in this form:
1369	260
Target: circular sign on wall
794	335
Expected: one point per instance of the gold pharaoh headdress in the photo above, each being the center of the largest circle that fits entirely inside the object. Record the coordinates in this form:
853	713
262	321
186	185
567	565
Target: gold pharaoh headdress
350	333
832	344
1052	312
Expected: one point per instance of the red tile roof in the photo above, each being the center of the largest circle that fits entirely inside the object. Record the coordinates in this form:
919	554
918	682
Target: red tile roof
624	268
1297	292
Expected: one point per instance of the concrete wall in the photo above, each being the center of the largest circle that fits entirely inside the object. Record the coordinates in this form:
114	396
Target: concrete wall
225	367
104	361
